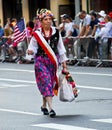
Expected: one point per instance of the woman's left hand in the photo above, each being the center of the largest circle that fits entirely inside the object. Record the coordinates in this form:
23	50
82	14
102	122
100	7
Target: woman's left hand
30	52
65	70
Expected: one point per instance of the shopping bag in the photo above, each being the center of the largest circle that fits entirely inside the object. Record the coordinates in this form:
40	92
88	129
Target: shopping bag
65	89
71	81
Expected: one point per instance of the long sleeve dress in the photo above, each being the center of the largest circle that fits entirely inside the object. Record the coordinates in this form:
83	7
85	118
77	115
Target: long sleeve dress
44	68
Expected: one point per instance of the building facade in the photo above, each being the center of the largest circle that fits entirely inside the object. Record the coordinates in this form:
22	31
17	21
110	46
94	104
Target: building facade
20	8
28	8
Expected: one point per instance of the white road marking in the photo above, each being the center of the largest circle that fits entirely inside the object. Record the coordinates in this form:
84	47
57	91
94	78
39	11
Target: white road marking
92	74
75	73
96	88
5	85
61	127
16	80
79	86
20	112
16	70
109	120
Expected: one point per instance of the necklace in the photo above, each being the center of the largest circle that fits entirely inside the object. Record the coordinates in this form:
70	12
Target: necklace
47	37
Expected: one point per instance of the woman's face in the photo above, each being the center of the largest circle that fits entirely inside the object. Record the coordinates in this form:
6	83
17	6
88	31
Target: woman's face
47	21
107	19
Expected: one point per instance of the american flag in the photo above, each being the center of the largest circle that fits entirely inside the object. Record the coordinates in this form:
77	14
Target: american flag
19	31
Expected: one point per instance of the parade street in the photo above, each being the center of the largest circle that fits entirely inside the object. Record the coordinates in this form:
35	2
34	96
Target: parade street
20	100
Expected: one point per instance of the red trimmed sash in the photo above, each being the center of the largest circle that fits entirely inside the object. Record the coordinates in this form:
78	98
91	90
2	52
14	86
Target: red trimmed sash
45	46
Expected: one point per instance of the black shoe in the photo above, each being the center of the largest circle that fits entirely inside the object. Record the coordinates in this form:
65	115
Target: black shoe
45	111
52	113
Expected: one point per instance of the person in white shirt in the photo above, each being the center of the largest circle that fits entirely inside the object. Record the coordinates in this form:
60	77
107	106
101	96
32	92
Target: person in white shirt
68	27
84	31
101	15
61	26
102	34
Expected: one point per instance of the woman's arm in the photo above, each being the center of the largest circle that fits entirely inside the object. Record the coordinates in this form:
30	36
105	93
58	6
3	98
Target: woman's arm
33	46
62	54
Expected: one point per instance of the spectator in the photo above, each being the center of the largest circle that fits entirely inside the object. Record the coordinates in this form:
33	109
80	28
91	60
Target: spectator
92	44
7	22
1	31
54	22
23	45
102	34
110	14
13	23
1	39
37	23
108	24
29	30
101	15
93	23
68	28
61	25
8	32
82	43
86	19
109	27
110	40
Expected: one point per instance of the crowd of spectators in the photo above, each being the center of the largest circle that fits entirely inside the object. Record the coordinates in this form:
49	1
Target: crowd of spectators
93	38
10	50
89	35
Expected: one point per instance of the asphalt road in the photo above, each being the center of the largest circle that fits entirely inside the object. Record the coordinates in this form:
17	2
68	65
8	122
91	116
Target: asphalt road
20	100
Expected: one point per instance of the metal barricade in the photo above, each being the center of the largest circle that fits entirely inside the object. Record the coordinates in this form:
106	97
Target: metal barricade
69	45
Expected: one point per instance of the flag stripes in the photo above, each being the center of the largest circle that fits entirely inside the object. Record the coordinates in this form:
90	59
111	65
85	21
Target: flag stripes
19	31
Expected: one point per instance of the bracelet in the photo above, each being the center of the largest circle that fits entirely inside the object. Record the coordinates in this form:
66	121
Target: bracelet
64	65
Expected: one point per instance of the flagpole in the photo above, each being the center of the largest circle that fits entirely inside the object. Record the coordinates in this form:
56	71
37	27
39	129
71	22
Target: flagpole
25	30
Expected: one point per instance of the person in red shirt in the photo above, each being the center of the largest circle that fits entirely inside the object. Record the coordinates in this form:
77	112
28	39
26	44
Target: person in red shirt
29	29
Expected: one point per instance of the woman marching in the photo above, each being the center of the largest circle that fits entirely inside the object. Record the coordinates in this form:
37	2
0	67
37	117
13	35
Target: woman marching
47	46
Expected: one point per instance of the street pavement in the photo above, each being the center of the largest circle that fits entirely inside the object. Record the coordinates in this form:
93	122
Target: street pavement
20	100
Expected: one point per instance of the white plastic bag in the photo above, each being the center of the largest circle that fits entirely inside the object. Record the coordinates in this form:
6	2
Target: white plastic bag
65	89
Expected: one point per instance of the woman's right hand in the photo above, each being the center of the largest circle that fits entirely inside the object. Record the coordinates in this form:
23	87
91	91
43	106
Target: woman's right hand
30	52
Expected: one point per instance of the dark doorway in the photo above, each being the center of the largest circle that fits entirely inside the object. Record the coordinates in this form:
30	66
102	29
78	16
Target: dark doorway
109	5
67	9
37	4
101	5
12	9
